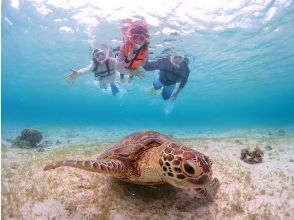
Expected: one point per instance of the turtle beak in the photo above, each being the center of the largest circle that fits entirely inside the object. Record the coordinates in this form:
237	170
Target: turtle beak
201	181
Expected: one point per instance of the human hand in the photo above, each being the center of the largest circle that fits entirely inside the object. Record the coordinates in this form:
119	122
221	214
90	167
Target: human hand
70	78
137	73
131	53
173	97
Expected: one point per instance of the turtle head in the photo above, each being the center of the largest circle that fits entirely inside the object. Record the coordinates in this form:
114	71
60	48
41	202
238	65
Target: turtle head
184	167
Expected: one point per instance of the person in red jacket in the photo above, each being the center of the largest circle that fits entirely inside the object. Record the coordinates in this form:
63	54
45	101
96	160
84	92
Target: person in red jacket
134	50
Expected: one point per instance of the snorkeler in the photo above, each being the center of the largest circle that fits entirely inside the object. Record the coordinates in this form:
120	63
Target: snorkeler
103	66
134	50
173	69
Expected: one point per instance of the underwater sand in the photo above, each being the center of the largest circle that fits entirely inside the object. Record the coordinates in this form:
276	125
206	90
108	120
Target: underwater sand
259	191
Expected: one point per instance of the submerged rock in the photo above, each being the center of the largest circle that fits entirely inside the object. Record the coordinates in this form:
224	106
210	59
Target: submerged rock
29	138
251	157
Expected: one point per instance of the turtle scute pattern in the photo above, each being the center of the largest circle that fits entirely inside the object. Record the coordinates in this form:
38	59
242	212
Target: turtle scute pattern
135	143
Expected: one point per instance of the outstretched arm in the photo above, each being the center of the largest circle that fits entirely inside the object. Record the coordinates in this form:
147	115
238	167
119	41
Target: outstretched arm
150	66
75	73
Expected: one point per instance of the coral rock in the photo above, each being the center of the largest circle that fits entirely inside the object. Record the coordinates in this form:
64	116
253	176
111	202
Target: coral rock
29	138
251	157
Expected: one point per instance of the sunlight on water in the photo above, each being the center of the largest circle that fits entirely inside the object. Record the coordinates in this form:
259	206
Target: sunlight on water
240	52
178	16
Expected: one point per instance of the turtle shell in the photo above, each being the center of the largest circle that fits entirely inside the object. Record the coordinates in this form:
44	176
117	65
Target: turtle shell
129	147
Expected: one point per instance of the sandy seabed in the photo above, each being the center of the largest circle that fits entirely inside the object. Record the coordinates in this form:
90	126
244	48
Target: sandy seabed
259	191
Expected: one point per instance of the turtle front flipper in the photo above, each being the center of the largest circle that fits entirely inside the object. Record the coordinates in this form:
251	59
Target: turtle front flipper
112	167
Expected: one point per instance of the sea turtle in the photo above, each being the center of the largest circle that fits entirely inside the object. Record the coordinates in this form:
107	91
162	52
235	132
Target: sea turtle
151	158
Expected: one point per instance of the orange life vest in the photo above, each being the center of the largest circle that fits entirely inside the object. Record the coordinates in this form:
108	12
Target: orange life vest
140	55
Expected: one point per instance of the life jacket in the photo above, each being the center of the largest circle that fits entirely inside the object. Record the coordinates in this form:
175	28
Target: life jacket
99	75
139	57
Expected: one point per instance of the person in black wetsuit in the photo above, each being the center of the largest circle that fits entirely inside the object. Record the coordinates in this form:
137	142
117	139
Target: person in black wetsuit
173	69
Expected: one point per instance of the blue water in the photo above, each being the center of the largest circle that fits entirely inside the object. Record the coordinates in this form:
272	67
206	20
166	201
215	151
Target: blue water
241	59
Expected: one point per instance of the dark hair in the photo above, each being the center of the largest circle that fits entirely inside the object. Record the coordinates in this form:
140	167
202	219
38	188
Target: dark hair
139	30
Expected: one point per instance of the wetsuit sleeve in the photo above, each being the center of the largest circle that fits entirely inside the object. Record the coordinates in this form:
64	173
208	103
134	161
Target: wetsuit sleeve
184	81
149	66
86	69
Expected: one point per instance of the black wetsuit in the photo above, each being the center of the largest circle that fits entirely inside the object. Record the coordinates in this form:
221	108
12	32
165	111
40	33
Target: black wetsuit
169	74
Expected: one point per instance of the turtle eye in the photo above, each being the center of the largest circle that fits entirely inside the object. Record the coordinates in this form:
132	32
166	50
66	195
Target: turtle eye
188	168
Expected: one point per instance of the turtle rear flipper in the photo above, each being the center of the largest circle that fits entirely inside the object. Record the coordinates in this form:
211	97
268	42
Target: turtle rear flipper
112	167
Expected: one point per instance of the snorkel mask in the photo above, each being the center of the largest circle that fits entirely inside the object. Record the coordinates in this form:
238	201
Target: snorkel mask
137	38
137	34
101	54
177	58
